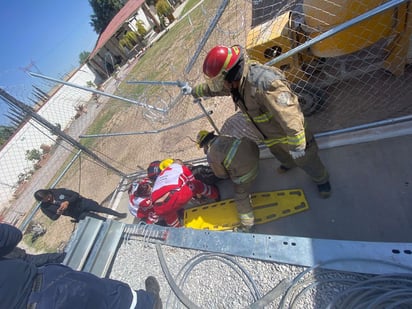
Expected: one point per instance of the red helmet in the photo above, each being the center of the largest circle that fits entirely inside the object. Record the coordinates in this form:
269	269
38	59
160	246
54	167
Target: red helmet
221	59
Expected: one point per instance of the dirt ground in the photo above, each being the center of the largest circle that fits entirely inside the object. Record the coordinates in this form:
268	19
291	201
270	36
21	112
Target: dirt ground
97	183
371	97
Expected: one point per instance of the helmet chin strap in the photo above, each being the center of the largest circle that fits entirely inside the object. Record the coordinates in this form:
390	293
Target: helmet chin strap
235	74
235	93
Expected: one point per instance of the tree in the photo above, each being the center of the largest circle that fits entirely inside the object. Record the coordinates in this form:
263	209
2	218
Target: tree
5	133
104	11
164	9
33	155
91	84
83	57
141	30
129	40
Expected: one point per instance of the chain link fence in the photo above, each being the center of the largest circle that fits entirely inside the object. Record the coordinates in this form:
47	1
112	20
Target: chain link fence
355	77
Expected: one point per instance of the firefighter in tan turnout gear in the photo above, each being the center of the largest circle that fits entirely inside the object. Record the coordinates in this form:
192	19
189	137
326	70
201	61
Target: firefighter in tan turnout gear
237	159
264	96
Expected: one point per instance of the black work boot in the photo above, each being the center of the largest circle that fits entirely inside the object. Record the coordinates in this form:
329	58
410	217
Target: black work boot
324	189
122	215
152	286
244	229
283	169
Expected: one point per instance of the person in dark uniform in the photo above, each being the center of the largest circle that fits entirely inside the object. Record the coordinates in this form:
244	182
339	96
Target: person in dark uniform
61	201
24	285
36	259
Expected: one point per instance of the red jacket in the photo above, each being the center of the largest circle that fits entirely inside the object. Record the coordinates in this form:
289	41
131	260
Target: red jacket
174	177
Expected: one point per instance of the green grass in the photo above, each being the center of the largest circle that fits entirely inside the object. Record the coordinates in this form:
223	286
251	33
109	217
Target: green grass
109	110
151	66
156	71
39	245
189	5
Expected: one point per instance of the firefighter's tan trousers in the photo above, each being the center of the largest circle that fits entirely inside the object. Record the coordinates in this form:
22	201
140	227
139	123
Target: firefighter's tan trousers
310	162
243	203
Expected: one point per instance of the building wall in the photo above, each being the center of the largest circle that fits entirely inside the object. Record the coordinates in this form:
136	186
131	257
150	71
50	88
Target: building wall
112	48
59	109
140	15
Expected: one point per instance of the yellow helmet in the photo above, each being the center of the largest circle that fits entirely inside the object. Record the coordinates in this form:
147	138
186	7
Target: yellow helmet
201	136
165	163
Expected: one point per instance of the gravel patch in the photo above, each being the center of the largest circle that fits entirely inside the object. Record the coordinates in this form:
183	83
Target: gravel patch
211	280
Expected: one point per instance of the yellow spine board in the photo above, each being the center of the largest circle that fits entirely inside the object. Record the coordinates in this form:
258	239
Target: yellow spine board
267	206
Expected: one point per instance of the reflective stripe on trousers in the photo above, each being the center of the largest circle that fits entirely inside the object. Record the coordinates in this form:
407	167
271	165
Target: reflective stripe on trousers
250	176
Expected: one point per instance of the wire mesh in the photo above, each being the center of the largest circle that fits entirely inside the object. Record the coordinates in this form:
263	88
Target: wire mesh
361	75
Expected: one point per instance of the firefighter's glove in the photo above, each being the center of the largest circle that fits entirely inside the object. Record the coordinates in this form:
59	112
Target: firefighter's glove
296	154
186	89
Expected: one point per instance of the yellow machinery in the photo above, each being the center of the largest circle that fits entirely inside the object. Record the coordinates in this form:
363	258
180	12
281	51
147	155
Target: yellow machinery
321	15
385	38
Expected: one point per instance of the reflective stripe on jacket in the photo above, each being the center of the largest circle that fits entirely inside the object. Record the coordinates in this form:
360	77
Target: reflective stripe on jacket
266	100
235	158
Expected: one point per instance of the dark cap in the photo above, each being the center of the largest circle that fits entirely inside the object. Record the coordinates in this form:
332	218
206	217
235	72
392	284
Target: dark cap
153	170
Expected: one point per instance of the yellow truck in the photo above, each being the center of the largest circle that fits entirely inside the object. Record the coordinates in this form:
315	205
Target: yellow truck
380	41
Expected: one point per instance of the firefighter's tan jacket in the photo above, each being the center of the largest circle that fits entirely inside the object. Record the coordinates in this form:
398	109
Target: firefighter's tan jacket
266	100
235	158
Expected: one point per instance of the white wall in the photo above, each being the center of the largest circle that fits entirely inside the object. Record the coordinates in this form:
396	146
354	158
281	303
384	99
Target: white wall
140	16
59	109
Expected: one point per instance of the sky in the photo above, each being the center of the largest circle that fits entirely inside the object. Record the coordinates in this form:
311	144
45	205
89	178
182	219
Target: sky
49	35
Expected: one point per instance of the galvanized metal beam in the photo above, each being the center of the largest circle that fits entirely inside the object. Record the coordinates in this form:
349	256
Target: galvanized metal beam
82	242
95	243
104	248
353	256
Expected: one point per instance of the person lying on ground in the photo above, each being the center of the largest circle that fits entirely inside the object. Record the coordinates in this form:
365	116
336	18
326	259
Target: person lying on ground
140	204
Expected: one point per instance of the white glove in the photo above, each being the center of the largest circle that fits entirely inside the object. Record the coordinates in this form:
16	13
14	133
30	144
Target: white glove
297	153
186	89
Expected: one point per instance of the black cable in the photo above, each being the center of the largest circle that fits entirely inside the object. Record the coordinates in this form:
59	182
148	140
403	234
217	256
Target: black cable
178	292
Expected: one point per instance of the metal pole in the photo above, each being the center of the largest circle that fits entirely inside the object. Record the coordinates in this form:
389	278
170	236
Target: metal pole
198	101
54	129
202	43
146	132
97	92
156	82
337	29
376	124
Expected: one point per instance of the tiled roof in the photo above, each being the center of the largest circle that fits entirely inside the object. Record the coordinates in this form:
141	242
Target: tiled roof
125	13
